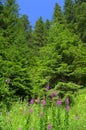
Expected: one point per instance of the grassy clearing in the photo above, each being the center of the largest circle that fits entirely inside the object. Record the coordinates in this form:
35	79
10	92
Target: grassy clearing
37	117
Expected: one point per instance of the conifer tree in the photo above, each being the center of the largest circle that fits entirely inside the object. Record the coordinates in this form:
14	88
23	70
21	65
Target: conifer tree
80	9
10	16
24	28
69	11
1	6
46	31
58	15
38	34
1	11
47	24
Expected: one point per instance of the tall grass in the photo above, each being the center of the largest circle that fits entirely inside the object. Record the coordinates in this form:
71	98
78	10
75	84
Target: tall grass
45	116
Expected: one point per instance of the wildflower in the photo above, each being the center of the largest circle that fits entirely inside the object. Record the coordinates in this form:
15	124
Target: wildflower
43	102
31	110
31	129
19	129
59	102
67	108
77	117
54	94
49	126
32	101
9	120
7	81
37	100
67	100
47	87
41	114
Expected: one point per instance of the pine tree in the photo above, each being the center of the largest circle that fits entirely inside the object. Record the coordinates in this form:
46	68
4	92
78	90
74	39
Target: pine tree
24	28
1	6
58	59
46	31
58	15
38	34
80	9
1	11
47	24
69	11
10	16
14	51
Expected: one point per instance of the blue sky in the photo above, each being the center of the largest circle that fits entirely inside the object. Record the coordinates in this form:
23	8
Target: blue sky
36	8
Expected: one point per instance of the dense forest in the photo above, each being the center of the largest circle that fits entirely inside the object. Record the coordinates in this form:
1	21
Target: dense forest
53	53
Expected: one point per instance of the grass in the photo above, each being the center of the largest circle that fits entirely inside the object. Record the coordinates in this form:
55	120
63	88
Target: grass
37	117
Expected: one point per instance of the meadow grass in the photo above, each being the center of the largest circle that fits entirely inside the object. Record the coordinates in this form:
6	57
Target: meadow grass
43	116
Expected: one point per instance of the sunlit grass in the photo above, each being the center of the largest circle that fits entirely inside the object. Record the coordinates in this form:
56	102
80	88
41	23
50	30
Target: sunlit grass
38	117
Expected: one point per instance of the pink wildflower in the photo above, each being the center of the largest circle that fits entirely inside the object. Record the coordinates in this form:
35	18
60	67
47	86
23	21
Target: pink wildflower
32	101
59	102
67	100
67	108
41	114
31	110
54	94
47	88
43	102
49	126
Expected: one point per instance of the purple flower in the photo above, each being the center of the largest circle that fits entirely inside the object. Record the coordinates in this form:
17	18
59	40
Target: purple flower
59	102
32	101
47	88
54	94
31	110
43	102
67	100
49	126
67	108
41	114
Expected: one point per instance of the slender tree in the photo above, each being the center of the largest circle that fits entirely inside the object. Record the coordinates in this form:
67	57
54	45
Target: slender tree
47	24
24	28
80	9
38	34
46	31
58	15
10	16
69	11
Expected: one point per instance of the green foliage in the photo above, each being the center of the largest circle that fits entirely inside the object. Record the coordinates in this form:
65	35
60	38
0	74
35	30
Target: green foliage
60	53
5	94
46	31
69	10
52	53
38	33
58	14
35	116
81	20
67	90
